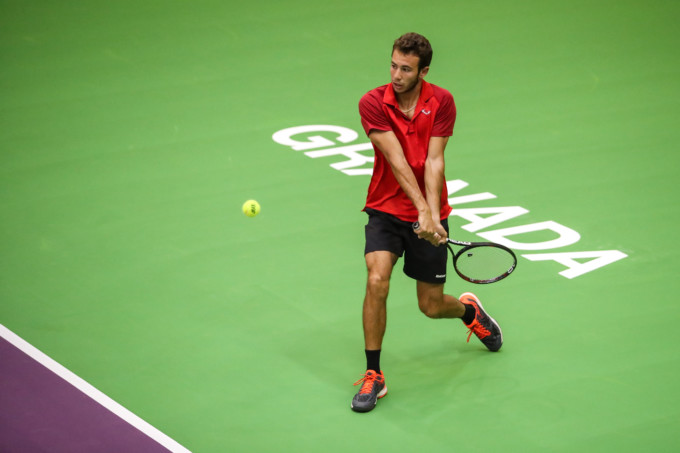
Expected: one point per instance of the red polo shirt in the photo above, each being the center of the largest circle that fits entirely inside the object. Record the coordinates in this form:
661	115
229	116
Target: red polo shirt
435	114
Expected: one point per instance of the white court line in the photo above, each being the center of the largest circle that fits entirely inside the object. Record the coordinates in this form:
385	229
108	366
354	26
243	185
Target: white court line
90	391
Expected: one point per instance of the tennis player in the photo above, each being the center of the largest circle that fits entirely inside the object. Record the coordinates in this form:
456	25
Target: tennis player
409	122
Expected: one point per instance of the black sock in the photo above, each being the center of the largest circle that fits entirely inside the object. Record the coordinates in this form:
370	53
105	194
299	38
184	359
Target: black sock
469	315
373	360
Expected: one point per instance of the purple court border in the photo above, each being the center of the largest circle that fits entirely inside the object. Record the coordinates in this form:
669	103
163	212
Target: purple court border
46	408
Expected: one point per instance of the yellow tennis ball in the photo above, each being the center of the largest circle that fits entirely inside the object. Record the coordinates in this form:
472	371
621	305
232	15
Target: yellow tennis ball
251	208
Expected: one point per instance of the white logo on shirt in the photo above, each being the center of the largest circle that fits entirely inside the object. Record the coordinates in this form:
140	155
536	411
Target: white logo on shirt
426	112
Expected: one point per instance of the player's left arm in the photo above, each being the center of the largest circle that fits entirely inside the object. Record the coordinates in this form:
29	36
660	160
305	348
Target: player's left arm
434	180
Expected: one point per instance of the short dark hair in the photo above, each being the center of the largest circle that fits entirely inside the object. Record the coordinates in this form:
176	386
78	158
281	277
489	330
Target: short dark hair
413	43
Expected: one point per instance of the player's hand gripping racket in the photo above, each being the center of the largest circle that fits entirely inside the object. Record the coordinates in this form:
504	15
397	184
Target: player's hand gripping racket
481	262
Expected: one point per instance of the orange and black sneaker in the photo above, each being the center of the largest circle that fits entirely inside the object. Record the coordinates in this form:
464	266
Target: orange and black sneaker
372	388
484	326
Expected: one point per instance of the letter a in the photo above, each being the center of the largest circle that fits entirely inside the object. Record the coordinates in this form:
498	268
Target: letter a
601	258
567	236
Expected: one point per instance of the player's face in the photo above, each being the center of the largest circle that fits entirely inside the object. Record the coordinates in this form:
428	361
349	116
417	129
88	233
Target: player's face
404	72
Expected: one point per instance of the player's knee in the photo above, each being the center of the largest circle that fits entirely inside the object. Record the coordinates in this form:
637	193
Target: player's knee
430	307
377	283
430	312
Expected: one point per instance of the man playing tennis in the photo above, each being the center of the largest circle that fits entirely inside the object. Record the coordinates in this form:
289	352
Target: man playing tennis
409	122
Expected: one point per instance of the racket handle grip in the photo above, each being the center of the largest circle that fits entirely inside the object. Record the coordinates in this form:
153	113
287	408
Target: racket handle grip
416	225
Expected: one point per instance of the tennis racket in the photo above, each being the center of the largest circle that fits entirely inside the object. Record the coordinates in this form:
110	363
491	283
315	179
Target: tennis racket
481	262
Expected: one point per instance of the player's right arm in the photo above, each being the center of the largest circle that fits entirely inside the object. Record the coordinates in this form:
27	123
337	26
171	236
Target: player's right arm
388	144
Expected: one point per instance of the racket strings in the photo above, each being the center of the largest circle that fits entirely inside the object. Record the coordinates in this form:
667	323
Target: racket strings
484	262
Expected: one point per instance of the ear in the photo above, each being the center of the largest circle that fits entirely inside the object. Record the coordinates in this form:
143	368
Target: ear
423	72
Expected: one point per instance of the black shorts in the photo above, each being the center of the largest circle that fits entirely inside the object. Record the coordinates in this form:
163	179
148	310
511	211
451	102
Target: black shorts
422	260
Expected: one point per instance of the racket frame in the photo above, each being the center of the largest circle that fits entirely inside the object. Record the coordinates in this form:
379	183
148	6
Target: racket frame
472	245
467	246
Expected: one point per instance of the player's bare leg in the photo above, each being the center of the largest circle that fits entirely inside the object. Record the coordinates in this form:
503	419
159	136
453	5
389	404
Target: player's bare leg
379	265
372	383
435	304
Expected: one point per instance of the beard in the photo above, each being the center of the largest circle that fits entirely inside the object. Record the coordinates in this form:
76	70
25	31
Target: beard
405	87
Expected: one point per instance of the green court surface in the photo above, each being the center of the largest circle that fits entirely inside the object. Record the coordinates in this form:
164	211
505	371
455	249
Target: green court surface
132	132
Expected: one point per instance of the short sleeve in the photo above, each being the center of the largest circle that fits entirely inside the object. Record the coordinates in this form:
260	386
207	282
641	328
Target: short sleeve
445	117
372	115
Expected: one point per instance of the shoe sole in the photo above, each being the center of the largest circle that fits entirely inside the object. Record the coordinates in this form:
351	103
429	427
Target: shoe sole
382	393
482	307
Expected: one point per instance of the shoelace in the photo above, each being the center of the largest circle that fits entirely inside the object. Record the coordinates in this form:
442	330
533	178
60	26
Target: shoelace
477	329
368	381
